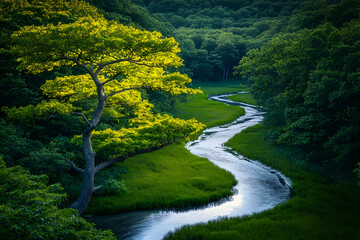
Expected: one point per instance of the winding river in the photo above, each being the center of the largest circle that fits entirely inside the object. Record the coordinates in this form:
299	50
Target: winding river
259	187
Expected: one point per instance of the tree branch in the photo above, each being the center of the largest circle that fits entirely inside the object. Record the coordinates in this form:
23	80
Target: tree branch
75	60
82	115
97	188
123	158
78	58
101	66
126	89
112	79
143	64
80	170
109	80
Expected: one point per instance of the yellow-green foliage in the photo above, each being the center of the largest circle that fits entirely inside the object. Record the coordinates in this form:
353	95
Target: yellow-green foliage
42	110
118	61
105	49
156	131
94	42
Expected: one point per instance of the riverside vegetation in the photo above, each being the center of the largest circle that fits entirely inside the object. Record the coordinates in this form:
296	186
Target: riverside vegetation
319	209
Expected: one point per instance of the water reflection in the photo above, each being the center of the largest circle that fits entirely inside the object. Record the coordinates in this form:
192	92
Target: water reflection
259	187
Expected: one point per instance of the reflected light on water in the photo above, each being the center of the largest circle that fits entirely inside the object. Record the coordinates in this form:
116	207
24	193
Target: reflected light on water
164	222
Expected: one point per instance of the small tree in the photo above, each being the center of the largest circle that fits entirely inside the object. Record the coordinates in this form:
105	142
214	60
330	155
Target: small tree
116	62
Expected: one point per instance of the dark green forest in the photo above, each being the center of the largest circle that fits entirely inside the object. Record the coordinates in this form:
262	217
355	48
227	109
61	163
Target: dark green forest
307	76
300	60
215	35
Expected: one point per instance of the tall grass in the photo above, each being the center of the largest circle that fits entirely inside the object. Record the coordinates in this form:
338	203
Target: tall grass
172	177
320	209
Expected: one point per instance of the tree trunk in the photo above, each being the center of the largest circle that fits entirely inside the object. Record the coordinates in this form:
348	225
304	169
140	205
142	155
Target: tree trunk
224	73
89	155
88	176
227	72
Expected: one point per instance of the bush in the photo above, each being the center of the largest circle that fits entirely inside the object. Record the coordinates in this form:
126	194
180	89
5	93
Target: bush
114	187
29	209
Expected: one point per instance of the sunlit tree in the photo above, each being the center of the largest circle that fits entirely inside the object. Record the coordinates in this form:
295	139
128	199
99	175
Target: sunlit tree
115	63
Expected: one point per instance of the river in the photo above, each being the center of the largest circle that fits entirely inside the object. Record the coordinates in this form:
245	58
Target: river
258	187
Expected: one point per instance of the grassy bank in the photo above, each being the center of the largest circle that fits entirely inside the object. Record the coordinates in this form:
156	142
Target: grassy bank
319	209
245	98
172	177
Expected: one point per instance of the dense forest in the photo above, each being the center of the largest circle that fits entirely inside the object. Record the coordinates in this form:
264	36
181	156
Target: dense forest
301	60
307	76
215	35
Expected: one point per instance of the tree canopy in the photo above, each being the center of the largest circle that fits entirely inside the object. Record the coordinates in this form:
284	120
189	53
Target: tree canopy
124	59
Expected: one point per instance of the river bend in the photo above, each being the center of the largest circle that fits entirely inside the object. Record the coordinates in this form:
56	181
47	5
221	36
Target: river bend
258	187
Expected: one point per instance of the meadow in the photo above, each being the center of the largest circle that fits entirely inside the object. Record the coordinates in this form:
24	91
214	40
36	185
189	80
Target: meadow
211	113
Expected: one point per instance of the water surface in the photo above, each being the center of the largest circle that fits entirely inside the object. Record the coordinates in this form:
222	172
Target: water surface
258	187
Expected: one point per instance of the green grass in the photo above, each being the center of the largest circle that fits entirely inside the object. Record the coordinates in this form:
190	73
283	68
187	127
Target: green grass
209	112
172	177
168	178
319	209
211	88
245	98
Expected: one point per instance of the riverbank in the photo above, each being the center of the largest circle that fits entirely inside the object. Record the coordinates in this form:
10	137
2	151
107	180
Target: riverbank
319	209
172	177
